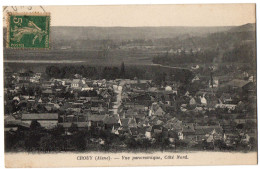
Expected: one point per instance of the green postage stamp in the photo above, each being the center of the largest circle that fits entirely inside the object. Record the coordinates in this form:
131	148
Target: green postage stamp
28	30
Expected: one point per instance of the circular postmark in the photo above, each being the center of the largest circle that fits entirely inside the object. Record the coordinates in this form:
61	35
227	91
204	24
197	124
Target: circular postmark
7	9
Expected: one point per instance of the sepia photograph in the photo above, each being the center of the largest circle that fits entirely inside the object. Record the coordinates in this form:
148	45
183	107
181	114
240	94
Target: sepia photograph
130	85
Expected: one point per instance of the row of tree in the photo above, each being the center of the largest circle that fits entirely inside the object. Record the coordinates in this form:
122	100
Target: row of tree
157	74
108	72
184	58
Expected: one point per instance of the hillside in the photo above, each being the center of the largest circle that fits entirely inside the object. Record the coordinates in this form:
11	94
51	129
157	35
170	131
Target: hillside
129	33
250	27
133	44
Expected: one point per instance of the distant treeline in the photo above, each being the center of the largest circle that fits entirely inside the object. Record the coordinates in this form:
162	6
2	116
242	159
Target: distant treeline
107	72
245	53
240	53
183	57
157	74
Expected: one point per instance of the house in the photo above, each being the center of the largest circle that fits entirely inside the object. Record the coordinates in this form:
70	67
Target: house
25	76
86	87
192	101
47	120
77	84
157	129
188	132
235	84
148	132
187	93
215	83
124	131
196	78
175	125
12	124
156	110
134	132
46	84
168	88
251	79
96	120
224	106
203	100
195	67
79	125
139	86
47	92
208	133
128	122
111	122
105	94
214	135
172	135
152	89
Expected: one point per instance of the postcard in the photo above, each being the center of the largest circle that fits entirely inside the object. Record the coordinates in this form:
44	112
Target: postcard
130	85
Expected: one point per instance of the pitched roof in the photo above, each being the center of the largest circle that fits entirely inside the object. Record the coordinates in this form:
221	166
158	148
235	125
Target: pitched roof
174	123
75	80
78	124
96	117
47	91
17	123
237	83
110	120
82	124
8	118
85	86
125	122
40	116
207	129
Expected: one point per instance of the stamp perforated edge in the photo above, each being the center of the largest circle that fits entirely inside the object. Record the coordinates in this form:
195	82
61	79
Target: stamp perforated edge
28	14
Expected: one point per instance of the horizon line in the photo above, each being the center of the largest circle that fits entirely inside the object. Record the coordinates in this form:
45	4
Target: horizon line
148	26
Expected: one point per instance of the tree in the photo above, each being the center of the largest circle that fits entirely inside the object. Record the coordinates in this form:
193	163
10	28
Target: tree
159	78
110	73
220	144
47	143
23	90
53	71
146	143
35	125
131	143
79	141
33	138
122	70
73	128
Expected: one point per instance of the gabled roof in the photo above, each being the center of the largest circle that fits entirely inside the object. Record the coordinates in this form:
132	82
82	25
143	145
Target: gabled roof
40	116
76	81
207	129
17	123
237	83
47	91
188	128
140	86
128	122
110	120
82	124
174	124
96	117
8	118
125	122
85	86
159	112
78	124
134	131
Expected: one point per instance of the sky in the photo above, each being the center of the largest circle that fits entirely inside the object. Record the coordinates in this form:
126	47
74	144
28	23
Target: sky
148	15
